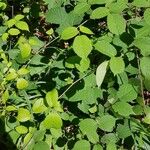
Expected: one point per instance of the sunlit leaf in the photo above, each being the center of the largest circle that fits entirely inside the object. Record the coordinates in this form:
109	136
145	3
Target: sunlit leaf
101	72
23	115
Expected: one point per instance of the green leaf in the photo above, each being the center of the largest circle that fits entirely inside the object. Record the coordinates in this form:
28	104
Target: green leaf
89	128
101	72
111	146
25	50
52	98
143	45
2	5
13	31
85	30
109	138
38	106
41	145
123	108
80	48
105	48
145	64
84	65
56	15
123	131
19	17
147	16
23	115
107	123
147	118
21	129
139	3
82	145
117	65
10	23
97	147
116	24
127	93
53	120
22	25
96	2
118	7
69	33
81	8
99	13
22	83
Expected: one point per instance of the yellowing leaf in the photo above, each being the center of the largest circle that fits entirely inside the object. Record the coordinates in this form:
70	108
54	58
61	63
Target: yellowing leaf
23	71
82	46
52	98
53	120
23	115
13	31
117	65
38	106
11	22
22	25
22	83
11	108
12	75
50	31
69	33
5	96
5	36
19	17
101	72
85	30
21	129
25	50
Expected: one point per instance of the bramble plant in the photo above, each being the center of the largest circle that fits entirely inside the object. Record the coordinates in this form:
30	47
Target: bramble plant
75	74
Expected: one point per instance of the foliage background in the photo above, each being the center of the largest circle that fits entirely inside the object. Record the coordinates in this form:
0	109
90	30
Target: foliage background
74	74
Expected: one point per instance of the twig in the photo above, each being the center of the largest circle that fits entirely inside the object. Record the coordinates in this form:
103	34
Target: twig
140	76
41	50
73	85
